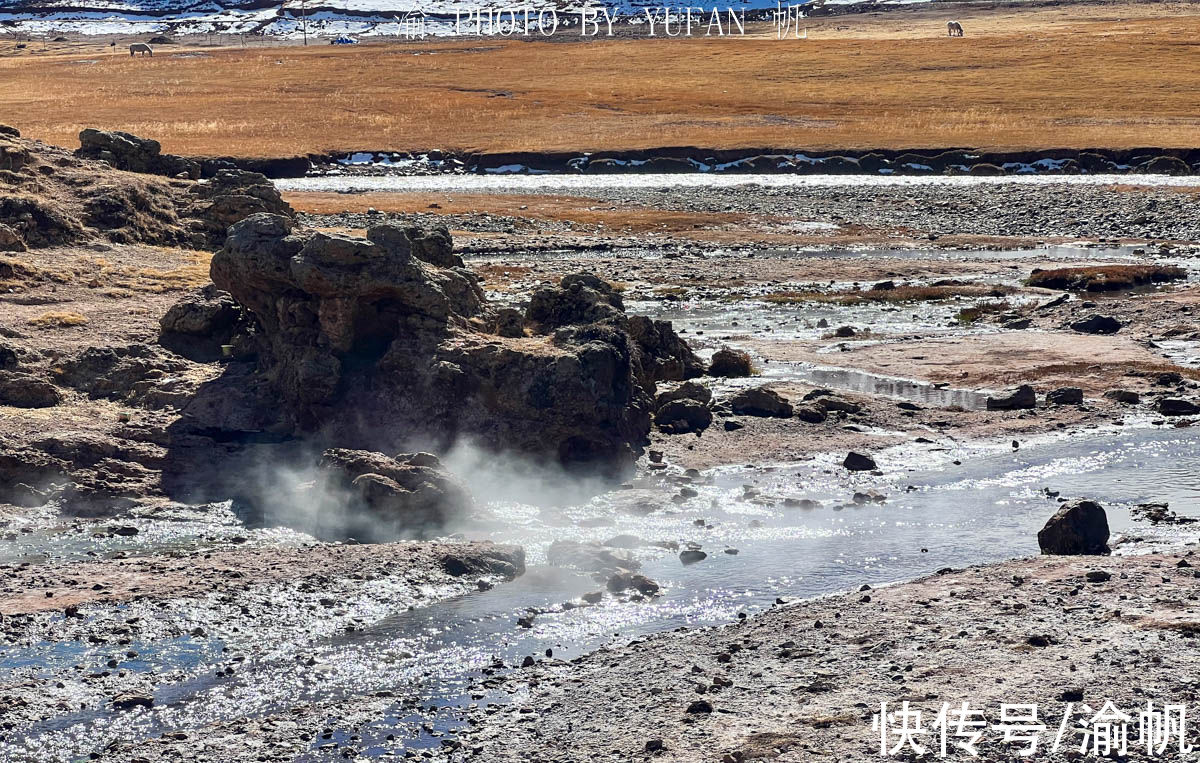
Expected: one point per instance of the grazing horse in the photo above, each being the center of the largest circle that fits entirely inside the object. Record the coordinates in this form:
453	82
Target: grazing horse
141	47
954	29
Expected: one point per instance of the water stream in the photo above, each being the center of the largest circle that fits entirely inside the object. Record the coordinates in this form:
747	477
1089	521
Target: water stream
937	514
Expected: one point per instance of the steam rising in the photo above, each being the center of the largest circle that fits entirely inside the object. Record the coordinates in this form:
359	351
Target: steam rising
286	487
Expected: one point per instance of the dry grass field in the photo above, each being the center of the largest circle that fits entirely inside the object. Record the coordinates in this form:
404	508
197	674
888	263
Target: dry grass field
1070	76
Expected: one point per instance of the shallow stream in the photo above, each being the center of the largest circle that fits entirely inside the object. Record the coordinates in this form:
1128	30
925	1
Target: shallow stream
938	513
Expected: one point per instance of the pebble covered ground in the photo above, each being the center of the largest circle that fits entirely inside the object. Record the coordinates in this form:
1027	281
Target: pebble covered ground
802	682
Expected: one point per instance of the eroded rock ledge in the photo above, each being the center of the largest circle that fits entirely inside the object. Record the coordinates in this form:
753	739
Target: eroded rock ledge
387	343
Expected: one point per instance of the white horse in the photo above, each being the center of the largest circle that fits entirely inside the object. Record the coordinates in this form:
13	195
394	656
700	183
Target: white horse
954	29
141	47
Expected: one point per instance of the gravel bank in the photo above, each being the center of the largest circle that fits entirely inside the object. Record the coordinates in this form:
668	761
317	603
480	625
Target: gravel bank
802	682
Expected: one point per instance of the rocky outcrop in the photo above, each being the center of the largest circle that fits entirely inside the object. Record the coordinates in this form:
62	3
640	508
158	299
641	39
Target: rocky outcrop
25	391
52	197
381	341
578	299
203	322
137	374
234	195
1078	527
86	474
33	221
133	154
409	494
664	356
10	240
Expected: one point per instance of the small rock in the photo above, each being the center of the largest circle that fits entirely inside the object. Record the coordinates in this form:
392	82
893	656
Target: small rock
130	700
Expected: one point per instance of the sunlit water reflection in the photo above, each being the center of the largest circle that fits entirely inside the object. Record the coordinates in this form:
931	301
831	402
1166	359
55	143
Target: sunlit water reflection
937	514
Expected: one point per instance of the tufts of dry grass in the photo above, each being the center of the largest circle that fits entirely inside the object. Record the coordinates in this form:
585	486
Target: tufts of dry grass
58	320
1120	369
897	295
973	313
1105	277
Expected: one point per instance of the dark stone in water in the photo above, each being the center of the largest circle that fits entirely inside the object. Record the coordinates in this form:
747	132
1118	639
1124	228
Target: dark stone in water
1175	406
857	462
1077	528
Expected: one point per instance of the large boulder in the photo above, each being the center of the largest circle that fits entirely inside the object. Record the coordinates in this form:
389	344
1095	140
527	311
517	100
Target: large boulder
1065	396
25	391
689	390
370	343
730	363
683	416
1078	527
1022	398
761	401
1097	324
859	462
1177	406
664	355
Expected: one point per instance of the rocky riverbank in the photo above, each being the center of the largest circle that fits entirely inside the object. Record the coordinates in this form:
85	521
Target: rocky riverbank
225	425
804	680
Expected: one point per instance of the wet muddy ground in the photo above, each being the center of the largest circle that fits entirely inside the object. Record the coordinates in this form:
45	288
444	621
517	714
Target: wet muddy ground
166	631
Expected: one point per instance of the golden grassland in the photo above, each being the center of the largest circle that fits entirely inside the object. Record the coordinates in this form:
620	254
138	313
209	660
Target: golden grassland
1070	76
